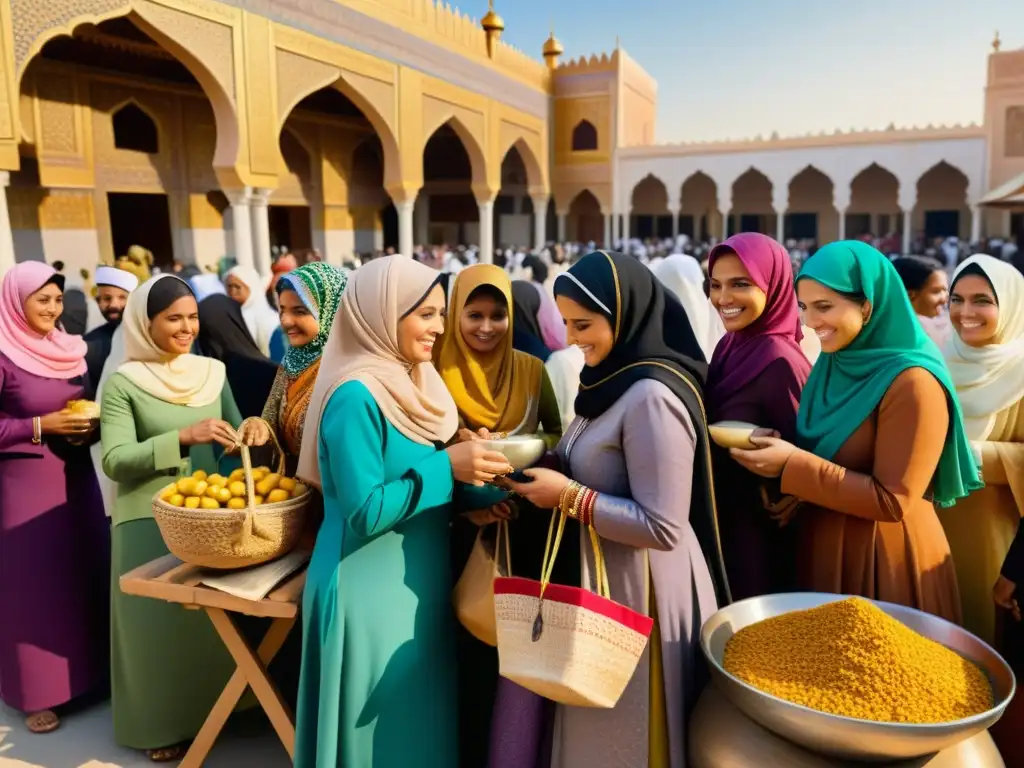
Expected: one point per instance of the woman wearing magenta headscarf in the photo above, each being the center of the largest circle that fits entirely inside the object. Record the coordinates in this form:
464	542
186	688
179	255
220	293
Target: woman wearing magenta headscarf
54	538
757	373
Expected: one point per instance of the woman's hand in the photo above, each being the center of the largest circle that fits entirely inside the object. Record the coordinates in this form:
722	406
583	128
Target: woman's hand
467	435
544	490
209	431
255	432
473	464
66	423
1003	594
767	459
501	511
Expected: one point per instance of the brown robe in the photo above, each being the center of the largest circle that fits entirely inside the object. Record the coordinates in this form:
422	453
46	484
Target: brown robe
867	528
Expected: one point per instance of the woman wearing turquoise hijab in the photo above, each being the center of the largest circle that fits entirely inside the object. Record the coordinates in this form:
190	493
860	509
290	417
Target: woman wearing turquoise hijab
881	439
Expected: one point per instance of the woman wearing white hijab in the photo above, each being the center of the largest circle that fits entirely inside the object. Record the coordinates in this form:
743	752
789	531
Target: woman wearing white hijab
378	683
245	286
163	408
985	357
683	275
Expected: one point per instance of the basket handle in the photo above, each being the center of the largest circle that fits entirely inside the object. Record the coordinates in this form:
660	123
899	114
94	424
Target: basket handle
273	439
551	548
250	485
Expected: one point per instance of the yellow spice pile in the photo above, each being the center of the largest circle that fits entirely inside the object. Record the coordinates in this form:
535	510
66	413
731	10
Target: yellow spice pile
851	658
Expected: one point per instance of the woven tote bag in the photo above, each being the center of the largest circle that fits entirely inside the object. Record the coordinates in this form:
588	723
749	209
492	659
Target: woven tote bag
568	644
473	596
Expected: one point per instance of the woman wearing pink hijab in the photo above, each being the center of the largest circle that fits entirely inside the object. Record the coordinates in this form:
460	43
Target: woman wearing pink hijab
757	373
54	538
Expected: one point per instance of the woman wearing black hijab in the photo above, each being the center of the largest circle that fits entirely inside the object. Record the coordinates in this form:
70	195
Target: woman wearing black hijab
637	469
526	333
223	336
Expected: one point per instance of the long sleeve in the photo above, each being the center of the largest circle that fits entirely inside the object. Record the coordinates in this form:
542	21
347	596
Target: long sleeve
548	413
1013	565
125	459
272	409
913	419
354	460
15	433
658	443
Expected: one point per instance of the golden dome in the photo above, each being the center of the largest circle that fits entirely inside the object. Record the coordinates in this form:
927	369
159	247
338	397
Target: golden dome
492	22
553	47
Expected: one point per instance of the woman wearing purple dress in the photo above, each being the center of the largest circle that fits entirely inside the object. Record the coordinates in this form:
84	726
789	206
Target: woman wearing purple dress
54	538
757	373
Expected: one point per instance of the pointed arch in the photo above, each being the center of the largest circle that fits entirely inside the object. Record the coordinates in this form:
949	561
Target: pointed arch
130	114
477	158
534	172
584	137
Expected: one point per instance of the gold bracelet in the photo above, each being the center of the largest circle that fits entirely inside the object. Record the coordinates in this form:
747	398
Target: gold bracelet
571	507
564	495
37	430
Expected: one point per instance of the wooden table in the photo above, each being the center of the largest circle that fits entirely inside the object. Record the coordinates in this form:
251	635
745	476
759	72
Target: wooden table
169	579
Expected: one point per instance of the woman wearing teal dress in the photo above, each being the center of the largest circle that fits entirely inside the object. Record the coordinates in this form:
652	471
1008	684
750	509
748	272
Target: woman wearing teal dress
163	410
378	686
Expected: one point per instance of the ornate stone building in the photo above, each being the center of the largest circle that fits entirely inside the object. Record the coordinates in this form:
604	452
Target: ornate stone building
199	128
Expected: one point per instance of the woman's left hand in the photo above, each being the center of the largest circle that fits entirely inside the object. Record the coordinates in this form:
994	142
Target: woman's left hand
255	433
544	490
768	458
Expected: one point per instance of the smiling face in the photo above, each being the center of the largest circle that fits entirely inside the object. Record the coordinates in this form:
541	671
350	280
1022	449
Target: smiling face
418	331
43	308
174	329
734	294
236	289
483	322
835	319
111	301
974	311
933	296
590	331
297	321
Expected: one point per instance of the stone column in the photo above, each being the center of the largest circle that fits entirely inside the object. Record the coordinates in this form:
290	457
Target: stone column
842	224
405	226
7	258
561	227
486	230
780	202
540	221
607	242
725	224
907	199
975	223
421	217
260	215
241	225
908	223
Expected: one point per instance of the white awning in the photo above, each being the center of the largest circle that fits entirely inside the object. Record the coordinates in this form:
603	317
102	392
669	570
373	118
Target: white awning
1008	195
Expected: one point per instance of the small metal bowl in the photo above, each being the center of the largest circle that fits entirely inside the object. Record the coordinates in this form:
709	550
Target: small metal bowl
522	451
849	737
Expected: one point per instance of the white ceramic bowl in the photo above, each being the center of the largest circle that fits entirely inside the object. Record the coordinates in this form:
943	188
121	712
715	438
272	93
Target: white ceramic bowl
522	451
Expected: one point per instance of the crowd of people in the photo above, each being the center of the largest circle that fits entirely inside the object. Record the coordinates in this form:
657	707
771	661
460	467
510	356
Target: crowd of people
887	463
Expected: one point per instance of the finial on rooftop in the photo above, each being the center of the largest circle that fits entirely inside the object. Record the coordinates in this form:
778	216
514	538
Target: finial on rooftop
493	26
552	49
996	43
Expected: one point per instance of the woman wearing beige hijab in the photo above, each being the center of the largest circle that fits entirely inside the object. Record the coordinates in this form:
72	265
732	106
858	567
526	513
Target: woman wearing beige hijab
378	681
985	357
164	408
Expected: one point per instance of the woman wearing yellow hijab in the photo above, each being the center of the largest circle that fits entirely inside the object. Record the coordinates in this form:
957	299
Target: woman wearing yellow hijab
496	389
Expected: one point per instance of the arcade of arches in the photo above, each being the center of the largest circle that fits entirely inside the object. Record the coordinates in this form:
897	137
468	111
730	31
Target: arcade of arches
806	208
127	137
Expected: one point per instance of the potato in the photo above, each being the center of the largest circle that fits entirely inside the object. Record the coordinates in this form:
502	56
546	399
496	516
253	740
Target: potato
223	496
187	486
177	500
267	484
258	475
237	488
168	491
276	495
199	474
257	501
300	488
287	484
192	502
207	503
238	474
213	490
236	503
200	489
216	479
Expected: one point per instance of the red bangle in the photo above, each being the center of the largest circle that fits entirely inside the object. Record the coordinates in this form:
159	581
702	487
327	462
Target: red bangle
587	507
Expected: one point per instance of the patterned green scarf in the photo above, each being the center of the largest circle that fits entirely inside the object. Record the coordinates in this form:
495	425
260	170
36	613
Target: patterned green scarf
319	286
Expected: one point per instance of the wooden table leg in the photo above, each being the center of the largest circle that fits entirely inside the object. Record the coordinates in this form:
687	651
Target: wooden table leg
252	670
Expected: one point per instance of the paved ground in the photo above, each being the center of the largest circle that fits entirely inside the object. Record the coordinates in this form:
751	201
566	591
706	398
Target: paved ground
86	740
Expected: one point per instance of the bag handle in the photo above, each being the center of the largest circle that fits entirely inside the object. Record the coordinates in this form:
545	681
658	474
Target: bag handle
551	552
503	534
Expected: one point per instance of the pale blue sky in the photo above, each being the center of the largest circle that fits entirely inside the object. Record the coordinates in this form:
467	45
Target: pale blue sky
736	68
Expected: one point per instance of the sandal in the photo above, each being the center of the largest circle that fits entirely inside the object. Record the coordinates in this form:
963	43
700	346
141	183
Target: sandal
166	754
43	721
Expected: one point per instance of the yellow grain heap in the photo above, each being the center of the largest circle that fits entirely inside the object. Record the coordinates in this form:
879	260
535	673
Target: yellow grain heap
851	658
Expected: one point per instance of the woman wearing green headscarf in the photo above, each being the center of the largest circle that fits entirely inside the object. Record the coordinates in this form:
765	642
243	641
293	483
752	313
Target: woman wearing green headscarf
881	438
308	299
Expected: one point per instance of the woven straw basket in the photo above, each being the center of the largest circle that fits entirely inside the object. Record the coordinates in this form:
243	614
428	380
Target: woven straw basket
568	644
473	596
234	538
